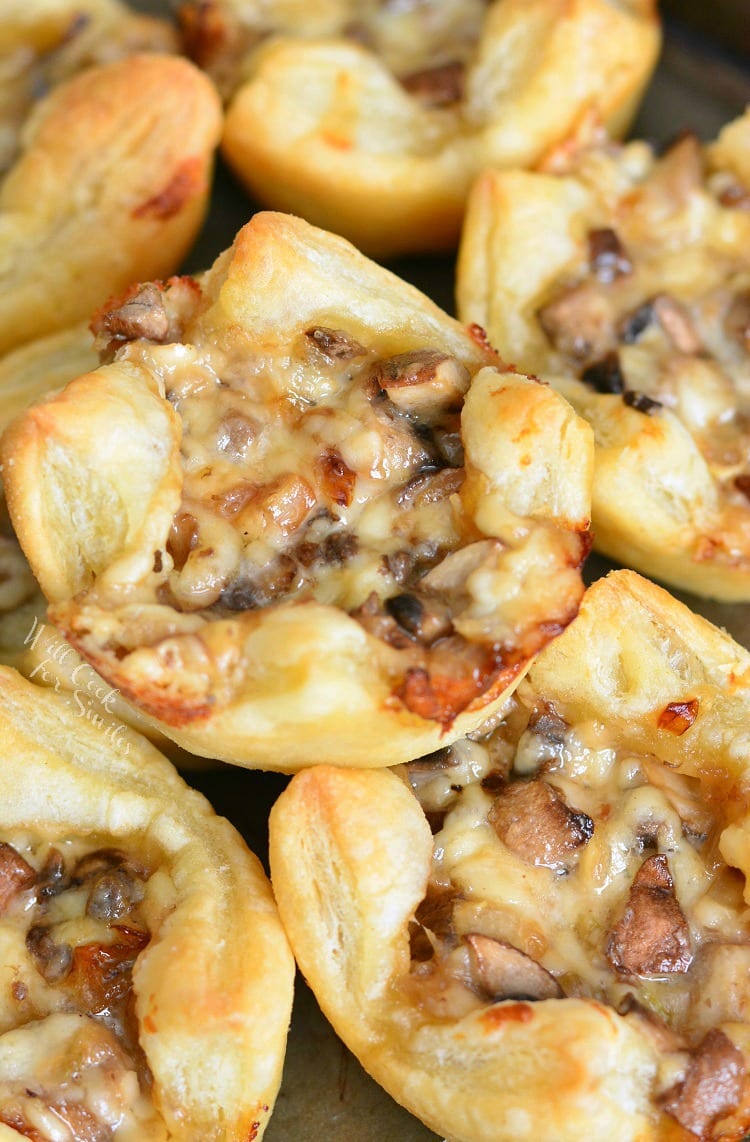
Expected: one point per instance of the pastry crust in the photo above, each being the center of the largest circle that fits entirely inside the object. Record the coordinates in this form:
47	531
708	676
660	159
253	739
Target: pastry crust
44	43
308	512
571	946
633	299
111	186
372	120
211	971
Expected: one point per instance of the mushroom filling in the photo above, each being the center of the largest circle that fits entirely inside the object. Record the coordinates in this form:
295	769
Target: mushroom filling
659	312
566	866
72	926
330	472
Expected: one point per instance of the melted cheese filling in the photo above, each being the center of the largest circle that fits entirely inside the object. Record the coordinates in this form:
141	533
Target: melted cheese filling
666	305
561	906
71	927
313	476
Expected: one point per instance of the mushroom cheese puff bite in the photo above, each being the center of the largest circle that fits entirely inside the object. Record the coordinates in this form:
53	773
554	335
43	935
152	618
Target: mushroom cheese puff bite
302	510
572	945
634	298
47	41
145	979
111	186
372	119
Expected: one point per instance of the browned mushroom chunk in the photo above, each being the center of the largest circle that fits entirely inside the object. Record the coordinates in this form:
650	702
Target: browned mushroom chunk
580	323
15	875
532	819
713	1085
501	971
652	936
143	314
608	258
437	86
677	323
425	383
433	921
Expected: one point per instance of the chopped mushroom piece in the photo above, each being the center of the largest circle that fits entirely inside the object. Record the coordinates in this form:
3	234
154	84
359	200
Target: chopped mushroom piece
15	875
437	86
651	937
608	258
501	971
425	383
713	1085
677	324
580	323
142	314
532	820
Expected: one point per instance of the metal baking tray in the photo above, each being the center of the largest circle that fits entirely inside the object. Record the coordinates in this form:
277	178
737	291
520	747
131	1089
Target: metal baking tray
699	85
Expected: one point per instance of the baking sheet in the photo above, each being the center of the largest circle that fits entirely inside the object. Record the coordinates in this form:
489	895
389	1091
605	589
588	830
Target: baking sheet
325	1094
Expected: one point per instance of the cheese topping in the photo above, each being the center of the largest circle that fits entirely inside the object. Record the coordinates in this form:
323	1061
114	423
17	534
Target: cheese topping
658	311
333	471
565	866
71	928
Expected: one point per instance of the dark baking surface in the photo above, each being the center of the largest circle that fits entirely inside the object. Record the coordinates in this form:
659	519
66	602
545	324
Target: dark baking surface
699	85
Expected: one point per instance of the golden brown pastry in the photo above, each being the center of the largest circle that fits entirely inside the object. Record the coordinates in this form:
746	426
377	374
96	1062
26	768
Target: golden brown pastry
111	186
625	278
302	512
372	119
145	980
47	41
569	954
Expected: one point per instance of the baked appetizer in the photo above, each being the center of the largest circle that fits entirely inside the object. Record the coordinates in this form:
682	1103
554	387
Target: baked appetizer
301	511
145	979
111	186
544	930
634	297
47	41
372	119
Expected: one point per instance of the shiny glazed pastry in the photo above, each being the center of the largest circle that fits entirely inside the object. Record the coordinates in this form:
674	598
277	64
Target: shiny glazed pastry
47	41
110	186
301	511
372	119
572	945
634	299
145	980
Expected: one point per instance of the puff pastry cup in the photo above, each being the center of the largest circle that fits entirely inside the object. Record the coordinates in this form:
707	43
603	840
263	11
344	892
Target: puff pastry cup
111	186
571	947
145	979
633	299
44	43
371	120
301	510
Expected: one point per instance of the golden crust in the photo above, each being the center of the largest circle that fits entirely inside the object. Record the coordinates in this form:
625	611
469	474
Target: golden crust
351	855
214	985
111	186
375	124
666	324
44	43
258	631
